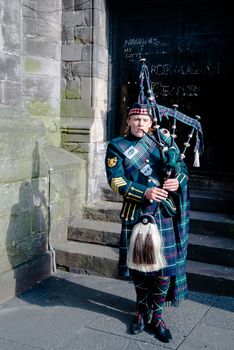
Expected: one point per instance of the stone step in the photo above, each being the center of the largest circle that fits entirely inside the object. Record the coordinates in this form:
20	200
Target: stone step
200	222
210	181
216	202
211	249
217	224
210	278
102	260
94	231
210	201
218	250
88	258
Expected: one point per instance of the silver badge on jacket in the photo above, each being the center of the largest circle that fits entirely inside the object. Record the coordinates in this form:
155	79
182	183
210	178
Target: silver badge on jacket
130	152
146	170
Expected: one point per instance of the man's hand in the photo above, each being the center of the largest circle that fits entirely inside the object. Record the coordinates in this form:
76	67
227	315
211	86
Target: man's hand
155	194
171	185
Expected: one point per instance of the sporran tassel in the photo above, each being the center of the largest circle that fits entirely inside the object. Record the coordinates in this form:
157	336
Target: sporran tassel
149	254
138	257
196	159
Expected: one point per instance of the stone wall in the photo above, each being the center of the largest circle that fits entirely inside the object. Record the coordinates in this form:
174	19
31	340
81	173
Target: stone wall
30	56
24	202
85	85
41	68
10	53
30	85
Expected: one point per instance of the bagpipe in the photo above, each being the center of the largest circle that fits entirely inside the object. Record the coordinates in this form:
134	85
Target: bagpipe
146	243
157	112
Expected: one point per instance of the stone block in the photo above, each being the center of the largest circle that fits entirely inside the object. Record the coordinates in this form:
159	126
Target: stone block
58	233
10	67
95	184
73	19
100	54
86	89
12	93
41	66
29	136
88	17
30	10
81	5
15	169
68	189
77	205
100	37
48	6
99	18
73	89
66	68
42	48
50	31
31	191
68	5
51	123
42	107
76	148
49	11
66	182
67	36
76	125
19	251
76	108
53	139
83	35
100	70
79	136
98	130
100	87
41	87
82	69
11	37
60	208
12	13
29	26
100	4
87	52
71	52
25	276
0	92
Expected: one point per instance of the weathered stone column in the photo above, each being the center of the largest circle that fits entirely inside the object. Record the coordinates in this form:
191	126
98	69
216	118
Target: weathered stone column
41	63
85	72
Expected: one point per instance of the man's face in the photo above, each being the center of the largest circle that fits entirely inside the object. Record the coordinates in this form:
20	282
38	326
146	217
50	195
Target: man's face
138	124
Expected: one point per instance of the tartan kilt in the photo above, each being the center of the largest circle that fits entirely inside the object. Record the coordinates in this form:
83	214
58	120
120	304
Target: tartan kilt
174	231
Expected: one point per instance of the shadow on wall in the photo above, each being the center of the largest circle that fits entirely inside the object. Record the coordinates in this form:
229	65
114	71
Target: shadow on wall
27	231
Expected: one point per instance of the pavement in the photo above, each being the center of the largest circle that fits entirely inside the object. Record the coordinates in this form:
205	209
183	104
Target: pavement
70	311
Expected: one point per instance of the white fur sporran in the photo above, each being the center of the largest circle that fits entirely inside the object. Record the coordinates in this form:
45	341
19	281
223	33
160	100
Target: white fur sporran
147	241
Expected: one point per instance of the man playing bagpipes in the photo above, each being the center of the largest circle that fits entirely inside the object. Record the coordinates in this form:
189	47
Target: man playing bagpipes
145	166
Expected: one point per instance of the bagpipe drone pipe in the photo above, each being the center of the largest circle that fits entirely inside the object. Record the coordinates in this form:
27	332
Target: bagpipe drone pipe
158	113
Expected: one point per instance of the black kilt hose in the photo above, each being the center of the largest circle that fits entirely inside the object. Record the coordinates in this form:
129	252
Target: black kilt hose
125	176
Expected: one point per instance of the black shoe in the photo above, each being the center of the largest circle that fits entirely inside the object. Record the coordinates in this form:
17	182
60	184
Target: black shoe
138	324
160	331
